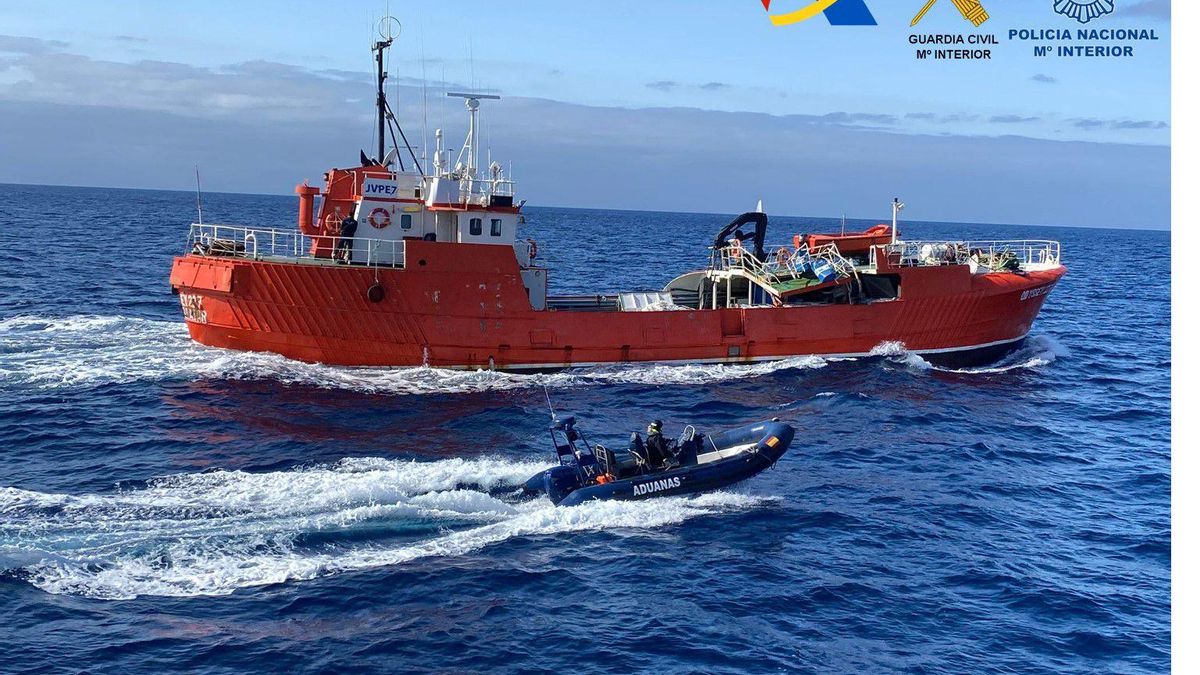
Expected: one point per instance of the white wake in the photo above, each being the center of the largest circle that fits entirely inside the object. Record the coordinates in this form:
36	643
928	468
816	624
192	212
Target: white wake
88	351
84	351
1037	351
214	533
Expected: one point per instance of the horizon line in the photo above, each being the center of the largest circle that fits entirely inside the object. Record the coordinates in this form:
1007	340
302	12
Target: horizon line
597	208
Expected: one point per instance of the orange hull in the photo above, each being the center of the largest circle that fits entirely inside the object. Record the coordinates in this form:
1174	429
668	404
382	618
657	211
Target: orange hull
464	306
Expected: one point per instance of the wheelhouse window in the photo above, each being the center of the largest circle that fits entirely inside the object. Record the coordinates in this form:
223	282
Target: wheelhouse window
406	221
476	227
497	224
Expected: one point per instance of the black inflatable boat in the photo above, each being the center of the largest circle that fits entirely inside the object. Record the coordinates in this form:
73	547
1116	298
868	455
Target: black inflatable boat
696	463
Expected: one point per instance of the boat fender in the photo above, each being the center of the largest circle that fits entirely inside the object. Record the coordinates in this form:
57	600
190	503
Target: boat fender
375	292
532	249
379	218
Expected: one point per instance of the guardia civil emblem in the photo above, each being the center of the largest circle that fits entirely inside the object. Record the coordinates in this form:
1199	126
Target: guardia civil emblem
1084	11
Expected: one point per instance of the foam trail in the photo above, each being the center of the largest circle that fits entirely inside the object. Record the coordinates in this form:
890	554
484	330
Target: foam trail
87	351
215	533
896	352
1038	350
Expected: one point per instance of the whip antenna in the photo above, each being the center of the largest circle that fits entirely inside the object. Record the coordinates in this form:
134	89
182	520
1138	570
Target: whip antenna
199	205
549	404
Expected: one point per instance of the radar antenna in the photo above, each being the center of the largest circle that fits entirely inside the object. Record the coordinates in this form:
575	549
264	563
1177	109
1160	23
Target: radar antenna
470	149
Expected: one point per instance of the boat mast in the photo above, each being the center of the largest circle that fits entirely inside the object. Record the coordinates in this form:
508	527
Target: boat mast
389	30
896	206
380	98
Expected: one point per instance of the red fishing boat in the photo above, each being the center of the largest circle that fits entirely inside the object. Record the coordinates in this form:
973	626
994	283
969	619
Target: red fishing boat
403	266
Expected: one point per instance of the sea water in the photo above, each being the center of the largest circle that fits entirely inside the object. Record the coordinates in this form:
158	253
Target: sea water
165	505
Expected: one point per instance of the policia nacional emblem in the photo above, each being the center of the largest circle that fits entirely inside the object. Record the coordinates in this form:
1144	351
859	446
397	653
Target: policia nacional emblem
1084	11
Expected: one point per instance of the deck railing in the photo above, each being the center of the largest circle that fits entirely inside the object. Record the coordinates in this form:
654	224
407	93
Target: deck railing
259	243
1025	254
480	190
780	264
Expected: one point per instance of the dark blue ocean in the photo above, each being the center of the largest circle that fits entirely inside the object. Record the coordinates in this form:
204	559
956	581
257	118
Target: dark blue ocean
167	506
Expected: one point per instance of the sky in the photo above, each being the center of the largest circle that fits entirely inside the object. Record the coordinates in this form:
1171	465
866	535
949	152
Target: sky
644	105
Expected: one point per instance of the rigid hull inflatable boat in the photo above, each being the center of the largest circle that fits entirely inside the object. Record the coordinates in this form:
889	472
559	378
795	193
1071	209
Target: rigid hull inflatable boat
696	463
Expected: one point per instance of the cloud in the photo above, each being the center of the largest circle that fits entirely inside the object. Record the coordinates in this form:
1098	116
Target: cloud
663	85
130	38
1012	119
149	122
649	159
1119	125
1044	79
936	118
1084	123
856	118
1140	124
27	46
1155	9
287	93
265	89
673	85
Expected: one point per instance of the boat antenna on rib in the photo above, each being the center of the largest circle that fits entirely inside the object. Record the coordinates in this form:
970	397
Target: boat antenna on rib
549	404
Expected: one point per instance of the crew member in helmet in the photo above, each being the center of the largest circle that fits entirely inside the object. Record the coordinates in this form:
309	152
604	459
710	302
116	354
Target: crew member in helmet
345	242
658	453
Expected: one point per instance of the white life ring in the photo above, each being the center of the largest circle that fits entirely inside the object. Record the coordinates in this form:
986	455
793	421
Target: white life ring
379	218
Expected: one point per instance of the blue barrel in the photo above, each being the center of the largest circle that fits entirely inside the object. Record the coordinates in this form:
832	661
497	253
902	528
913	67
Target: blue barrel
824	271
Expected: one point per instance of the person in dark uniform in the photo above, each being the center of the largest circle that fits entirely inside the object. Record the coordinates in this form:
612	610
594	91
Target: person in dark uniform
658	452
345	244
